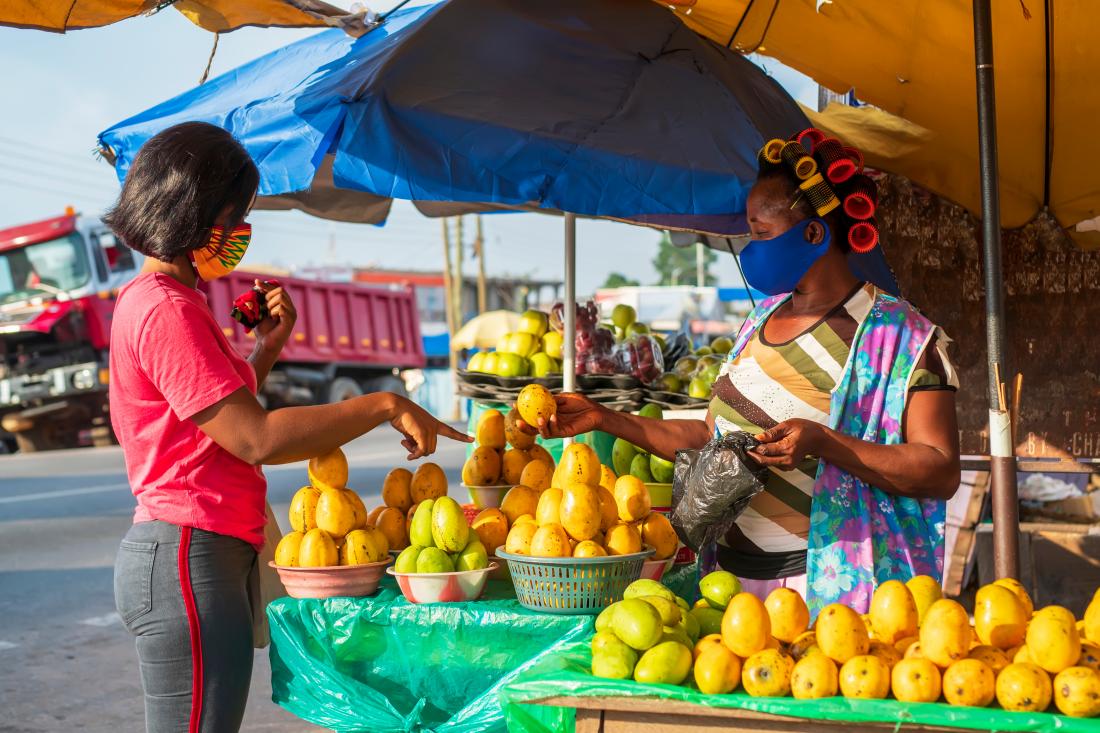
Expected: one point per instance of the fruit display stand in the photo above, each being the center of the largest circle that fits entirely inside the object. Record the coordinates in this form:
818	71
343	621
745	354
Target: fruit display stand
560	681
384	664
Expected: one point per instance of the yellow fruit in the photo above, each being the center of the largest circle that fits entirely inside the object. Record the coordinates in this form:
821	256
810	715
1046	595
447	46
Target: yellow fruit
1020	654
490	430
1023	687
1052	639
717	670
631	498
866	618
708	641
657	532
548	509
609	512
607	478
336	512
893	612
787	613
512	464
767	673
999	617
372	518
303	509
1077	692
449	528
864	676
391	523
429	482
623	539
518	501
969	682
746	627
1090	656
538	453
667	663
358	507
516	437
482	468
525	519
491	527
841	633
915	680
993	657
1092	620
329	471
886	653
945	633
317	550
286	552
550	540
588	548
926	590
536	474
579	464
580	510
363	546
1021	593
519	538
556	479
396	489
408	515
913	651
802	645
902	645
535	403
814	677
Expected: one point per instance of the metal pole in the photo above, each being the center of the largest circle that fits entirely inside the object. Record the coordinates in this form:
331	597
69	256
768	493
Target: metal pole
1006	520
700	265
482	297
449	312
569	345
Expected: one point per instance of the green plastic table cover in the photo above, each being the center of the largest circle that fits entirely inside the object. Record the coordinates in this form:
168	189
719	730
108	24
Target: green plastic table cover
382	664
565	673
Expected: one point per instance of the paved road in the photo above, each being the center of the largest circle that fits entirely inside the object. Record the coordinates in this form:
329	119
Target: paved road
66	662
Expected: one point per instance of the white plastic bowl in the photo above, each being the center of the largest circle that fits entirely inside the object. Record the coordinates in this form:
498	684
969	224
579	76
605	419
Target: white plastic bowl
456	587
487	497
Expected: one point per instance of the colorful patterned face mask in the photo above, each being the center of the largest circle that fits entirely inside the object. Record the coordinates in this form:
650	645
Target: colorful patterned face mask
218	258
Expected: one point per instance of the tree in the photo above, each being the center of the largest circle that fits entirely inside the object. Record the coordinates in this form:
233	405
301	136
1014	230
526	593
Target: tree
676	265
618	280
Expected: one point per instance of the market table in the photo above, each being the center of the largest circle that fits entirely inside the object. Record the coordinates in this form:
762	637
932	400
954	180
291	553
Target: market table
560	681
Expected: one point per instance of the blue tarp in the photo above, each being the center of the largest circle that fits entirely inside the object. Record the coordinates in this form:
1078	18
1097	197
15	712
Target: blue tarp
611	109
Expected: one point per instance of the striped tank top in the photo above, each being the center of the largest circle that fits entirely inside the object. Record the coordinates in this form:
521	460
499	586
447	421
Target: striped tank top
771	382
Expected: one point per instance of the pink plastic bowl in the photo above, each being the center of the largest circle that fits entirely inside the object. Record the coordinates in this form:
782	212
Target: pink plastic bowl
655	569
332	581
457	587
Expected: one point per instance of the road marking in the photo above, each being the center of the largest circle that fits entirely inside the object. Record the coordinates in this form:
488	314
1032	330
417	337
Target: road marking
62	493
107	619
5	645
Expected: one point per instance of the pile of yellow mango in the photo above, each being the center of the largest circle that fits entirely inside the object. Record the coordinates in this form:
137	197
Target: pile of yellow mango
914	644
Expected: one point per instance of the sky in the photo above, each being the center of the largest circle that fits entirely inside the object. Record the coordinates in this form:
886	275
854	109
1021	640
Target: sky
60	91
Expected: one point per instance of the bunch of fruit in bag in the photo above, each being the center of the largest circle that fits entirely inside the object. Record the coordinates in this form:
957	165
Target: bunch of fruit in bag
504	455
533	350
329	522
914	645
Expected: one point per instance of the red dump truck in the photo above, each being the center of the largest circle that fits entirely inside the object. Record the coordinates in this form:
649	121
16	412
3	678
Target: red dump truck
58	282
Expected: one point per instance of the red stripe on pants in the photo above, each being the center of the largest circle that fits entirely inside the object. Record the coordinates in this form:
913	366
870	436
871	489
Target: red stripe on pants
193	627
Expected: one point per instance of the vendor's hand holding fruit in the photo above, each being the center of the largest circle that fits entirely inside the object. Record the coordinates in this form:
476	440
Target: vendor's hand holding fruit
274	331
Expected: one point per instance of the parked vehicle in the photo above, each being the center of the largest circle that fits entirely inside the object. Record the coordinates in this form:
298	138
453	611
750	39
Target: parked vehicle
59	279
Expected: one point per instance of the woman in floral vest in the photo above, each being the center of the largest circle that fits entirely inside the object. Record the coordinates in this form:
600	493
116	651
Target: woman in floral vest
848	389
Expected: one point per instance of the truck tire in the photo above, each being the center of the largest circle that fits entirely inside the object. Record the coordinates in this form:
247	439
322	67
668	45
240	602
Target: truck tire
343	388
385	383
43	438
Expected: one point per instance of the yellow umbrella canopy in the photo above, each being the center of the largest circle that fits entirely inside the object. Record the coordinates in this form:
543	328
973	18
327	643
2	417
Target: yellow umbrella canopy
914	60
213	15
483	332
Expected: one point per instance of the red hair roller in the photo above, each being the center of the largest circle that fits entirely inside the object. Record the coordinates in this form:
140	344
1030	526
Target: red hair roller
834	161
809	138
863	236
860	202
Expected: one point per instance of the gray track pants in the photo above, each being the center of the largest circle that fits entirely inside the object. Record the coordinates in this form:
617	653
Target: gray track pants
184	594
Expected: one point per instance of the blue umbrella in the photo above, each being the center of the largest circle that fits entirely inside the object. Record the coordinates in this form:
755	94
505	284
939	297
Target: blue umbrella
606	108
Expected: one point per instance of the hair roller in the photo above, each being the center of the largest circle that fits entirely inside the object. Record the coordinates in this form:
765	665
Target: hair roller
819	194
809	138
835	162
798	160
859	203
863	236
856	157
772	151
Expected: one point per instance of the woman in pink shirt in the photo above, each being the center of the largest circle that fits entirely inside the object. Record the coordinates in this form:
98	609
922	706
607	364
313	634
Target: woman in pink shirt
183	404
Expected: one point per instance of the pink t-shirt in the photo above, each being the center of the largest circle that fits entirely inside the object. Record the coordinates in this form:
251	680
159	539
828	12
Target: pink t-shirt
169	361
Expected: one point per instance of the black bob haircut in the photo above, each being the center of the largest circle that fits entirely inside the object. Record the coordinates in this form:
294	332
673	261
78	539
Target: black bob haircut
180	182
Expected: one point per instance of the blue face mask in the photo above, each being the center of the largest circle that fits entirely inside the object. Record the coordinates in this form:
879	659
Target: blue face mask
775	266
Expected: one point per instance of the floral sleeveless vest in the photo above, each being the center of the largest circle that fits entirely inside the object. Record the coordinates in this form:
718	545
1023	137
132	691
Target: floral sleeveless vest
859	535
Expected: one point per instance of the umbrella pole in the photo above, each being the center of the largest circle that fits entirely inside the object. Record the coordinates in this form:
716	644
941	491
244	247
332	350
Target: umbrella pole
1006	519
569	341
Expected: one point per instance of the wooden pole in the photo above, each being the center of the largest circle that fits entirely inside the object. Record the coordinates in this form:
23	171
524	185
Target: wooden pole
448	309
459	278
482	296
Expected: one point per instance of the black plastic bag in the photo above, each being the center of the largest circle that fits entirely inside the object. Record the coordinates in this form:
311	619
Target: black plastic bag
712	486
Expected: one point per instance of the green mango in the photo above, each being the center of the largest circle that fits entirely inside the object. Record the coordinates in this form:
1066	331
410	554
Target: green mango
433	560
637	624
420	531
646	587
474	557
708	619
622	453
652	411
614	662
670	612
661	469
450	532
675	633
690	624
639	468
406	561
667	663
603	621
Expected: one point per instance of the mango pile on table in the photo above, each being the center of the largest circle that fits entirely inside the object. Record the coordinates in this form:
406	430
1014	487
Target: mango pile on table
506	456
914	645
585	511
403	491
